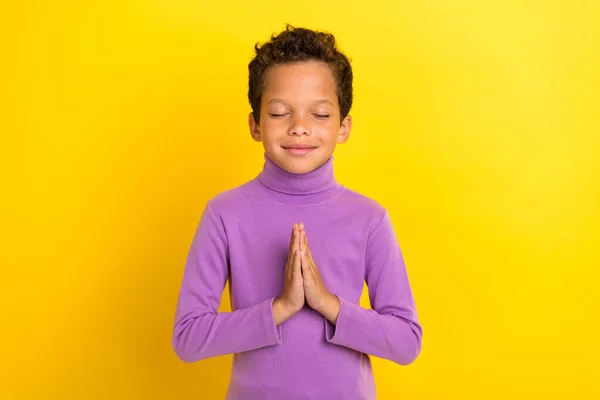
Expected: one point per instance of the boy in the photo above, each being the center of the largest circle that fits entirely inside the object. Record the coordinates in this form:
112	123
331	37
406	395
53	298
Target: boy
297	330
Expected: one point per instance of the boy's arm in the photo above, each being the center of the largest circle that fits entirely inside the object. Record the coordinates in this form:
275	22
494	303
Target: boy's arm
391	329
200	331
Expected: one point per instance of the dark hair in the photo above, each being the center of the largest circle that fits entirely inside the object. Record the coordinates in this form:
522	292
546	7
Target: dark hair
299	45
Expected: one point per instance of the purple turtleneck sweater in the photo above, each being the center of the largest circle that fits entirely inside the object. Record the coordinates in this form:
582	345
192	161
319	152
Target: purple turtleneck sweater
243	237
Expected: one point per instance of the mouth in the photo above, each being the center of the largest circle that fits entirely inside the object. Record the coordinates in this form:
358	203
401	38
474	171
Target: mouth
299	150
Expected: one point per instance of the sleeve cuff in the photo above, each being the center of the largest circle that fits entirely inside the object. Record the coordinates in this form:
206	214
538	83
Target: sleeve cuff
272	331
336	333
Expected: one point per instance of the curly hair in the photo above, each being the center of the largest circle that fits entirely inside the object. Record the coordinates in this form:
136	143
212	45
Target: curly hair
299	45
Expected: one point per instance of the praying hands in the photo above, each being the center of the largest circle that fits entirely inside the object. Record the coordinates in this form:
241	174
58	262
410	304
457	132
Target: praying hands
302	281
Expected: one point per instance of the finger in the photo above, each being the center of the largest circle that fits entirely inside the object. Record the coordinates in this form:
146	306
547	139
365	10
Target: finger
293	239
301	230
306	247
305	240
301	239
298	236
289	272
311	259
297	268
306	273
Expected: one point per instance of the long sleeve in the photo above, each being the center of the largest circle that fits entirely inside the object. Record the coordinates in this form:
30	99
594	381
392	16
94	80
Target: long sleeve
391	329
200	331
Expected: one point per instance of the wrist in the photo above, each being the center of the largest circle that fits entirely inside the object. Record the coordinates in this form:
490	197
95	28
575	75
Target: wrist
331	308
281	310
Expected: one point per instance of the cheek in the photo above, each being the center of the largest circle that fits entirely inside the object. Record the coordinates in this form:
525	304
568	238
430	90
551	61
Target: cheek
329	132
274	126
270	130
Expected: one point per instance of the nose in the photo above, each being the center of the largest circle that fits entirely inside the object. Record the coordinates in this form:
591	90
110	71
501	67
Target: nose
300	126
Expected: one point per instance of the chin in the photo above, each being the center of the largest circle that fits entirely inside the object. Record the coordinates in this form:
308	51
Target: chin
298	166
299	169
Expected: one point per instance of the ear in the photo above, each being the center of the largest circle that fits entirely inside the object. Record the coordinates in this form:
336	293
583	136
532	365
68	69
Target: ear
254	128
344	132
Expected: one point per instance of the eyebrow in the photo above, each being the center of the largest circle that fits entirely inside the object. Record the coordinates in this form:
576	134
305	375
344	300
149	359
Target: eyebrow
285	102
324	101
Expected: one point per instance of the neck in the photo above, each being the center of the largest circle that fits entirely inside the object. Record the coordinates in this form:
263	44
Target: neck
317	185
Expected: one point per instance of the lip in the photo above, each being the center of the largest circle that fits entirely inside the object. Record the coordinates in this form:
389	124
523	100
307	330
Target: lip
299	149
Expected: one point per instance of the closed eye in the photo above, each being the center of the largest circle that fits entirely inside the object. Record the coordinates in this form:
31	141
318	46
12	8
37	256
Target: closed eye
277	115
321	116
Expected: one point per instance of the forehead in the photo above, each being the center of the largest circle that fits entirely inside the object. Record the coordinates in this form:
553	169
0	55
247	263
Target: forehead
300	81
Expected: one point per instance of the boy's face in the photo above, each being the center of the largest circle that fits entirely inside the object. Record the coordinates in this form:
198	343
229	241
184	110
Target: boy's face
300	116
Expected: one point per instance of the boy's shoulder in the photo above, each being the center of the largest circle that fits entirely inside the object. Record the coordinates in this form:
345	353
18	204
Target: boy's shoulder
364	204
232	198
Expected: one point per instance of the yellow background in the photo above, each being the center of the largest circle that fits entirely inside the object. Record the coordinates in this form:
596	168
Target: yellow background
476	123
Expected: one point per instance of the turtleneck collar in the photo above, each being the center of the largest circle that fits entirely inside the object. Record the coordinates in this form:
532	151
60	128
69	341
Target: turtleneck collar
317	185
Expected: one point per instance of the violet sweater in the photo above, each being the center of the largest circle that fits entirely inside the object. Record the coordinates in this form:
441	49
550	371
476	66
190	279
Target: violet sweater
243	237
